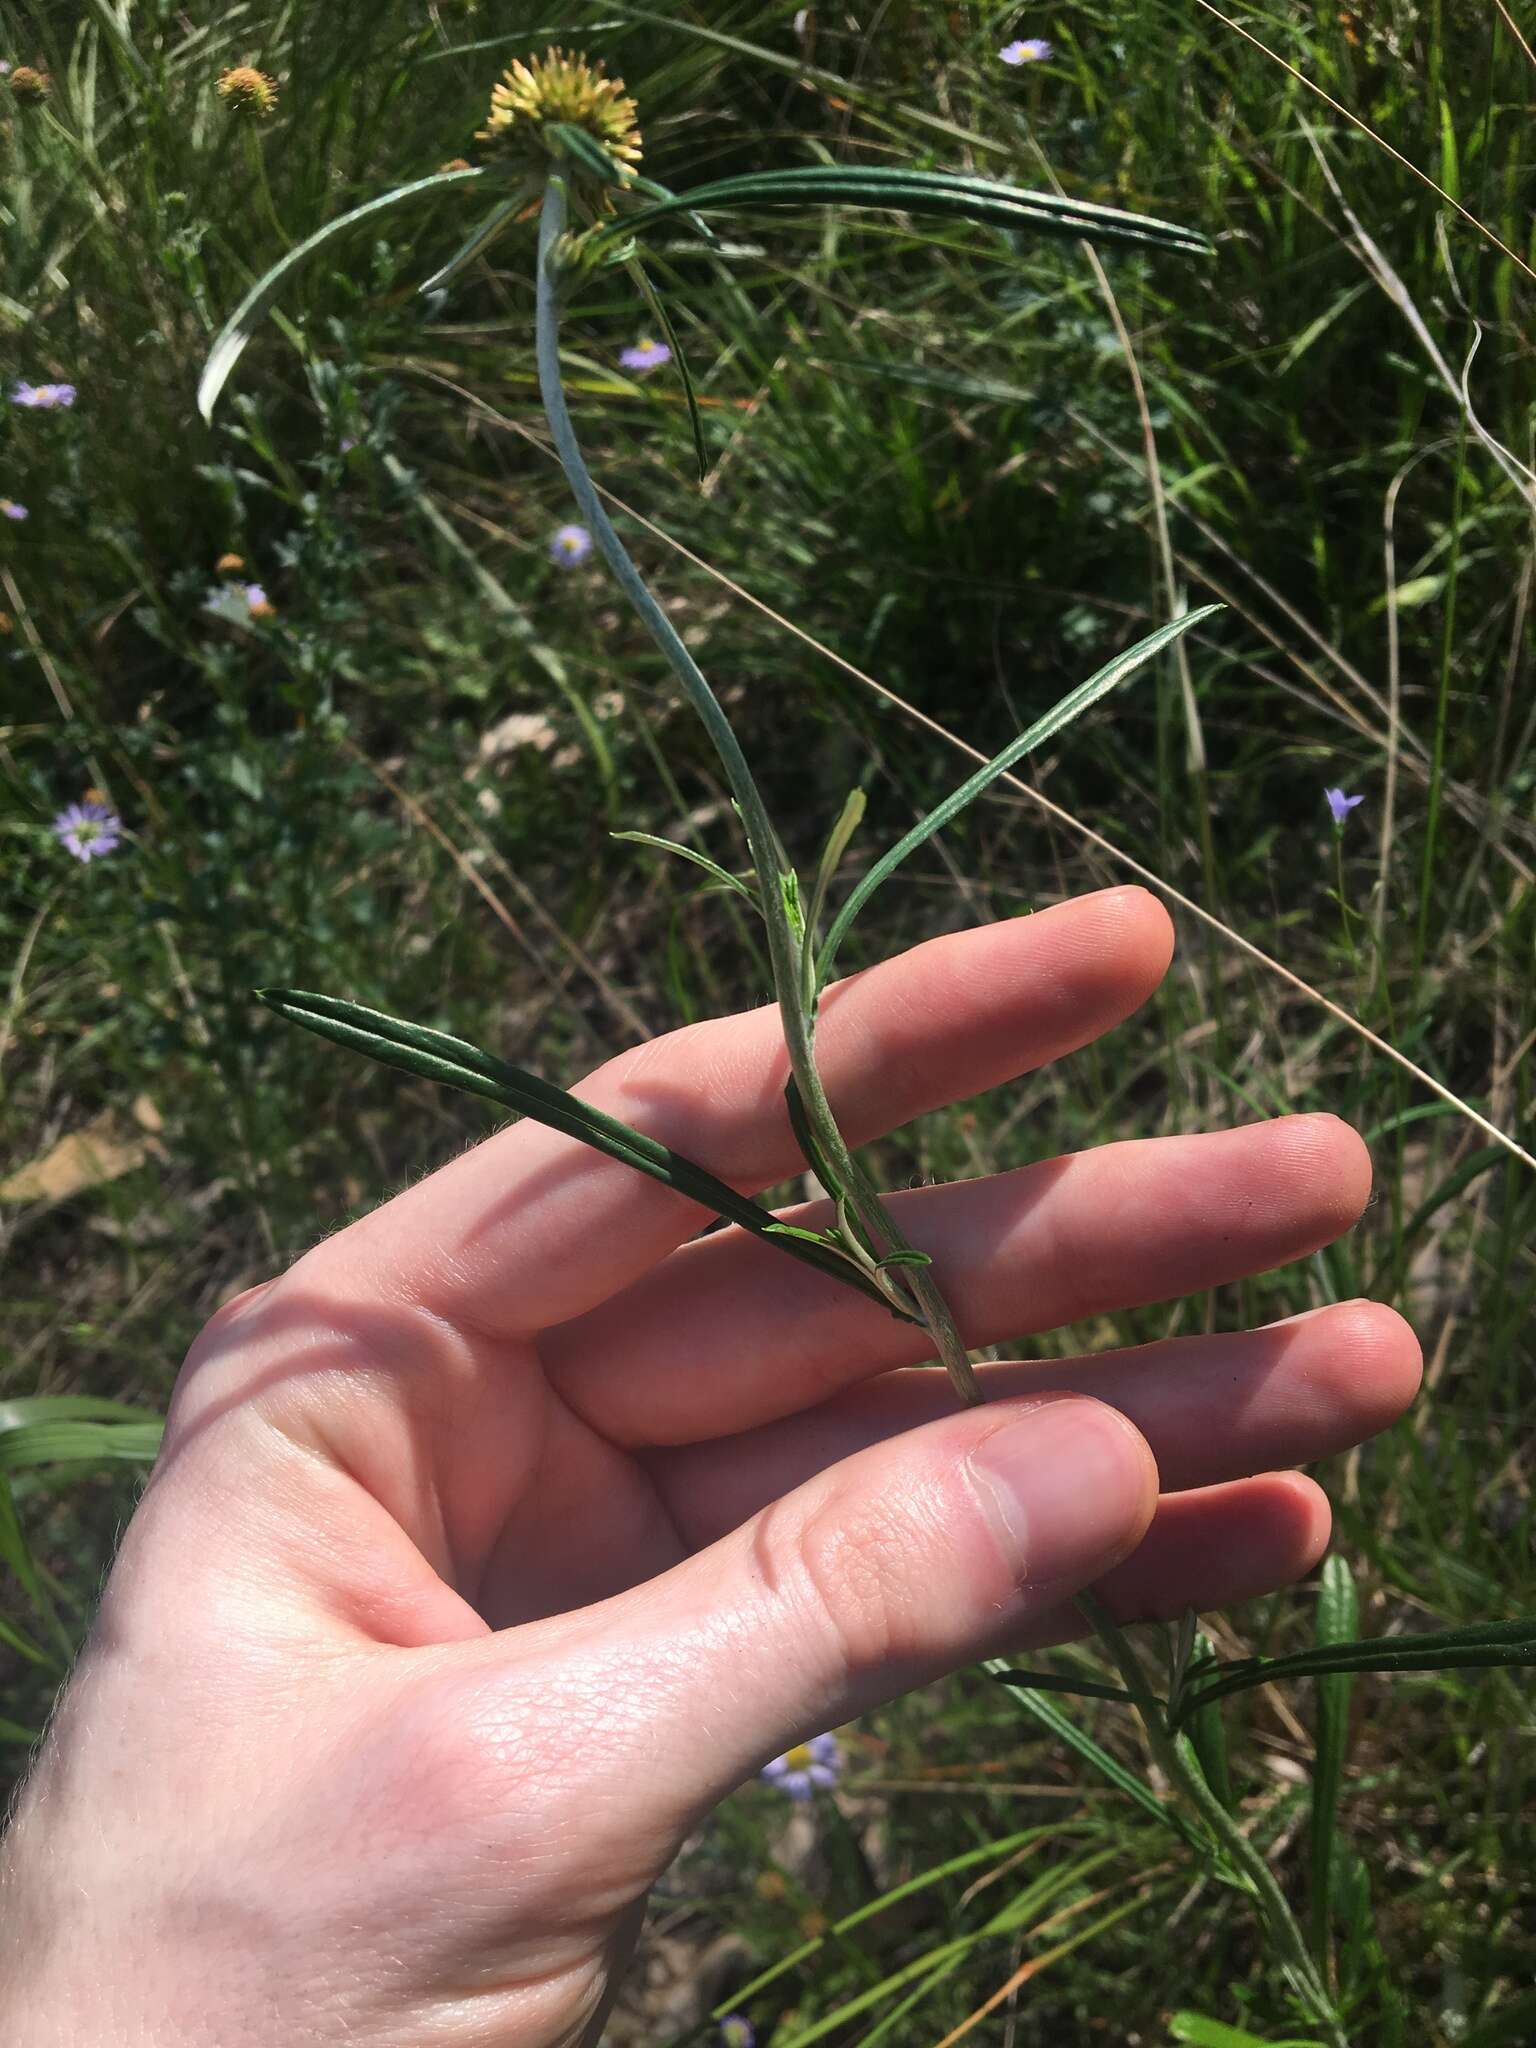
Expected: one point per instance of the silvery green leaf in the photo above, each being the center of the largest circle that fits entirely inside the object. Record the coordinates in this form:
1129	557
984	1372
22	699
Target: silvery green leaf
229	344
435	1056
1061	714
700	860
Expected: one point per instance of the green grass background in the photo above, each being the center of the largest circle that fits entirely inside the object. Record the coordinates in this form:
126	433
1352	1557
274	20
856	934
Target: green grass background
929	511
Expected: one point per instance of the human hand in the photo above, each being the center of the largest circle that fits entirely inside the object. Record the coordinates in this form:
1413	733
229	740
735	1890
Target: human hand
509	1530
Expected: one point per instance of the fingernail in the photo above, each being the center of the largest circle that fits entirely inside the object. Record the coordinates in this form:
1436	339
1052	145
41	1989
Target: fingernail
1068	1486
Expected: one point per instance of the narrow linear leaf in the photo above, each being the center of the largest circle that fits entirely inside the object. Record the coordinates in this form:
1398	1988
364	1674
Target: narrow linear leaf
587	151
1066	1730
15	1554
1007	1846
67	1407
58	1443
1338	1616
1016	1914
455	1063
1055	1681
950	194
794	1230
1483	1646
1061	714
1202	2032
480	238
230	342
700	860
658	306
849	819
806	1139
1207	1730
17	1639
1453	1185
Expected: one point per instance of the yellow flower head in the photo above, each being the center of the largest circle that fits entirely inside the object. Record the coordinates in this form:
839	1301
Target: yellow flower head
558	88
245	90
226	565
29	85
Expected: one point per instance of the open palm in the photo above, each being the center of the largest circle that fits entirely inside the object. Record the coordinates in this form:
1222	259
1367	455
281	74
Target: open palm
515	1524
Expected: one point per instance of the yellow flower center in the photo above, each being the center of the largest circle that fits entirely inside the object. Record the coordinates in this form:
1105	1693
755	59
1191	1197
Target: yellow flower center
557	89
799	1758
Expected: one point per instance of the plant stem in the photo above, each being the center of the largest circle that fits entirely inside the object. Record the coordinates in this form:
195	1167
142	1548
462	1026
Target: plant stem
1349	936
1176	1754
783	944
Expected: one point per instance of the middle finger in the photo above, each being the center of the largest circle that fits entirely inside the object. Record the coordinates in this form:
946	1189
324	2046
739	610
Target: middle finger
727	1333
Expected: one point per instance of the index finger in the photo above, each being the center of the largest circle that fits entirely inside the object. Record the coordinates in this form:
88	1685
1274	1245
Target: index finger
532	1228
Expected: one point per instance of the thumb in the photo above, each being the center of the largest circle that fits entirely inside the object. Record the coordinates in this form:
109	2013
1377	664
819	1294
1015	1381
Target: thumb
887	1570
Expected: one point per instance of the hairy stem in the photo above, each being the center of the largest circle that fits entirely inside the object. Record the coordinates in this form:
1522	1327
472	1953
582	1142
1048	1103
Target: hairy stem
783	944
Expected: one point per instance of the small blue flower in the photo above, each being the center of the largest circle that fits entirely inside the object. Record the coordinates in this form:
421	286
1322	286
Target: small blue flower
88	830
1340	804
44	397
737	2031
9	509
569	545
813	1766
1031	50
645	355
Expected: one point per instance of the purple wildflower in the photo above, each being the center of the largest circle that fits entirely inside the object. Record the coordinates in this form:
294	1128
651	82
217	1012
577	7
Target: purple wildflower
1340	804
1031	50
809	1767
645	355
569	545
44	397
88	830
737	2031
9	509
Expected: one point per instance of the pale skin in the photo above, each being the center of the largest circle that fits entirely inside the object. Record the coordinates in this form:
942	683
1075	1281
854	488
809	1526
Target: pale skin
503	1535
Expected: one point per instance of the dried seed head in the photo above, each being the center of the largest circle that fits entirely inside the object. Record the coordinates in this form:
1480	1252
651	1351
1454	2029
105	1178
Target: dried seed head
29	86
556	88
245	90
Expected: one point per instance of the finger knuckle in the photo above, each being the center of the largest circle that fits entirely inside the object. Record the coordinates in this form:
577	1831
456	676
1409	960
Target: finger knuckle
857	1564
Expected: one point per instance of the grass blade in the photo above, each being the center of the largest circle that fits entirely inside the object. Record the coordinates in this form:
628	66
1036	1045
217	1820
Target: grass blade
1066	1730
1202	2032
1338	1616
76	1443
